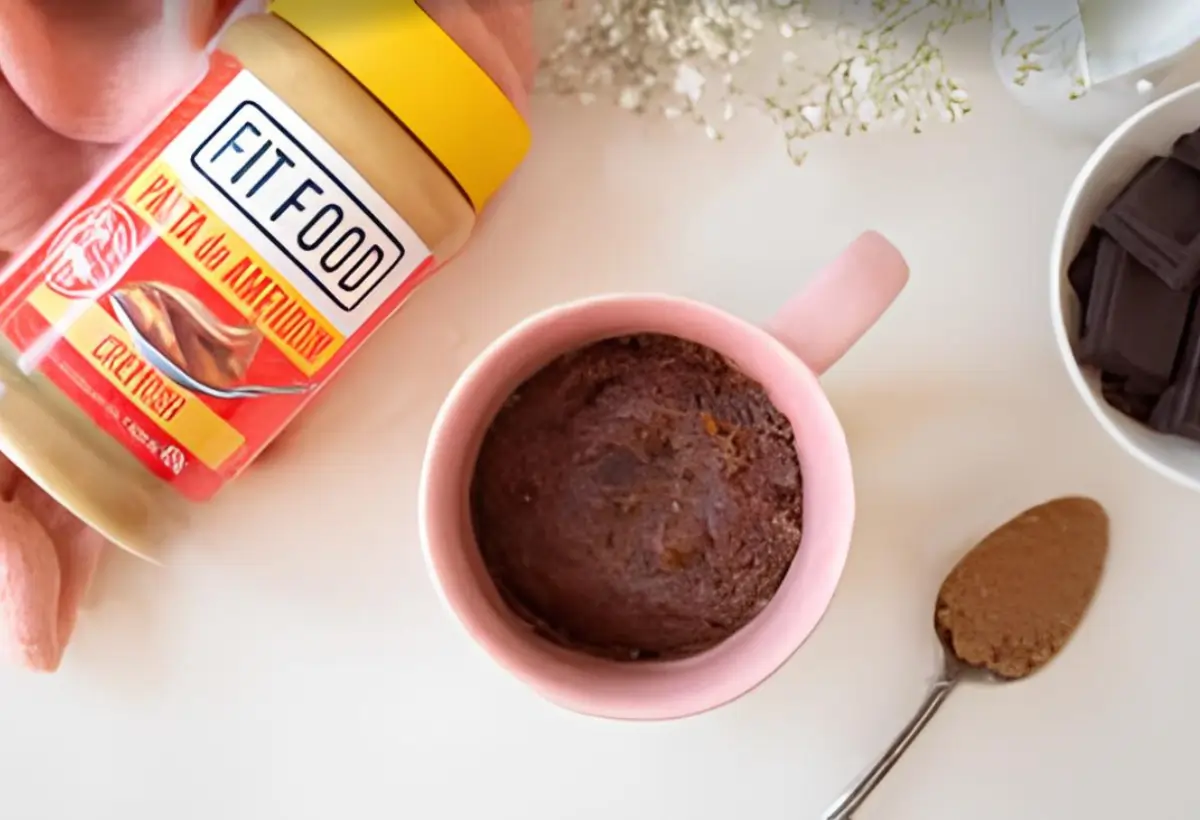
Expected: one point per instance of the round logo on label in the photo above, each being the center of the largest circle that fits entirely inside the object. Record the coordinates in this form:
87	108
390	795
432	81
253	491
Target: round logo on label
91	251
174	459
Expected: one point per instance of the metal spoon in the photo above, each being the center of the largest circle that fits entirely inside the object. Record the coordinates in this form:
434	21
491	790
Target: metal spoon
953	673
1058	550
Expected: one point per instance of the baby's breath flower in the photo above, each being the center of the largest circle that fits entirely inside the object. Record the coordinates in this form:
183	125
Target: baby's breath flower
686	59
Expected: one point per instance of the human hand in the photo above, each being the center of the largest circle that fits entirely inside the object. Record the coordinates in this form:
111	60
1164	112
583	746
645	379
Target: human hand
77	79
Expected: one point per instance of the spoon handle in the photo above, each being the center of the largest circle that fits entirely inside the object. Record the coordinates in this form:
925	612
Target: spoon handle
853	799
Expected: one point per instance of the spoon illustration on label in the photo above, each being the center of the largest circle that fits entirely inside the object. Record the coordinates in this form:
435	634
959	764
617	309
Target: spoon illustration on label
182	338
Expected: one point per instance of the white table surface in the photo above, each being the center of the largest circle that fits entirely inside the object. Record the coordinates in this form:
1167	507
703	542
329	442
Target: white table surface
293	662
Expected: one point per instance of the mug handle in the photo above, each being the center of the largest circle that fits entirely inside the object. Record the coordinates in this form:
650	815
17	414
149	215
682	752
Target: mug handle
824	320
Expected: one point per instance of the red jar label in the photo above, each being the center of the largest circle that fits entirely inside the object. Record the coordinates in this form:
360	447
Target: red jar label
197	296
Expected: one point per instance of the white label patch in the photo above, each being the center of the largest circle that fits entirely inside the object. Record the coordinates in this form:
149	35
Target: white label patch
285	190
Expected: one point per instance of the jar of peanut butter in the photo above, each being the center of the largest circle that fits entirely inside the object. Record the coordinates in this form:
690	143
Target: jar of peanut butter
184	307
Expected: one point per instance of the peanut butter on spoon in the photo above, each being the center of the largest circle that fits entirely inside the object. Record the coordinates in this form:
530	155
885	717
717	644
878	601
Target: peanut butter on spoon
1013	602
1005	610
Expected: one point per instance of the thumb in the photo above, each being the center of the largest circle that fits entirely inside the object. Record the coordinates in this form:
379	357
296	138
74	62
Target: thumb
98	71
497	35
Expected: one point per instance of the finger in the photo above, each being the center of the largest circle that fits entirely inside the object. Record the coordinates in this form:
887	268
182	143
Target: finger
497	34
10	475
78	560
77	546
99	71
29	590
511	22
39	169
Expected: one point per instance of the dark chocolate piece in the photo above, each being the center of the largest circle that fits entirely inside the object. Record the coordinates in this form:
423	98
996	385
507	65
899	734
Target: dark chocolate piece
1157	219
1187	149
1178	411
1129	396
1135	324
1148	167
1082	272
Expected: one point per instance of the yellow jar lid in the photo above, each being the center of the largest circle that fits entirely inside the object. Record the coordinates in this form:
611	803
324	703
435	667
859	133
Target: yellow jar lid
418	73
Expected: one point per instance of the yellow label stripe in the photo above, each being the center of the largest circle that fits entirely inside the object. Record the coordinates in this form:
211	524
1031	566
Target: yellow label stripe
100	339
234	269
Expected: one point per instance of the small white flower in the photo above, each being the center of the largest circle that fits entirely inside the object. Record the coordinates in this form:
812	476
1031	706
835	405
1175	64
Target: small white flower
672	112
630	98
711	43
814	115
711	132
689	82
727	114
799	20
600	75
861	73
786	29
789	57
657	28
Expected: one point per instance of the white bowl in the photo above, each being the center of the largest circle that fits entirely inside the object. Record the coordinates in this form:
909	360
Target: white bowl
1150	132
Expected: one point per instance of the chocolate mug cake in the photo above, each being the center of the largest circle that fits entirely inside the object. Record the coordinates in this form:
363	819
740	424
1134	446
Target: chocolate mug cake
639	498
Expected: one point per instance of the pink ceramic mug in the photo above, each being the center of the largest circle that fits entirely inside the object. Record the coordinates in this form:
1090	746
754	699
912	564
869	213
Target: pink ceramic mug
806	337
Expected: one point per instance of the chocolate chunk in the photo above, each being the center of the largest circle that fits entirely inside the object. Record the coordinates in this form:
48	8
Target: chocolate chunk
1187	149
1178	411
1135	323
1148	167
1157	219
1130	396
1082	271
